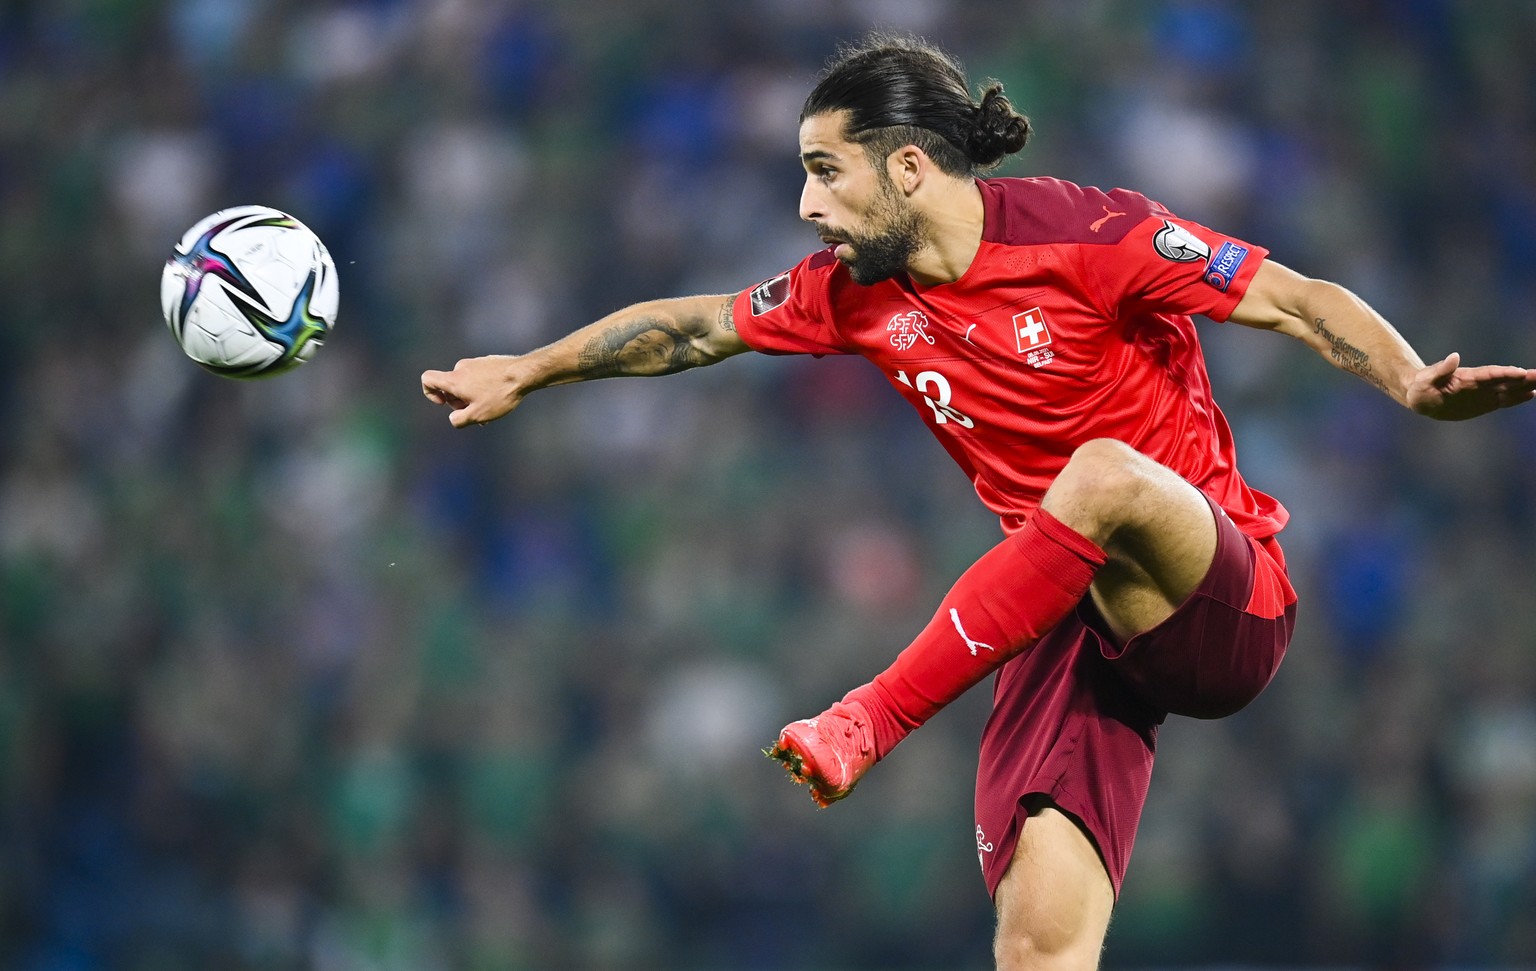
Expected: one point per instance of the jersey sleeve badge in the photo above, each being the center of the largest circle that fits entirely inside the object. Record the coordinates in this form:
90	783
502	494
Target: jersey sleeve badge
770	294
1224	266
1174	242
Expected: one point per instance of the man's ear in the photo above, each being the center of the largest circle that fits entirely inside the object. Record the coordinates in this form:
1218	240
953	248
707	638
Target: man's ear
907	167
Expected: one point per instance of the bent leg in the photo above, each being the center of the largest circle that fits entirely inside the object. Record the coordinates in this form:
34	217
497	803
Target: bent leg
1114	523
1054	903
1155	528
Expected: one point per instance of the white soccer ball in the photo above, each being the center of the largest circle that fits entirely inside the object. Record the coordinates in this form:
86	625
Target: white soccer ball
249	292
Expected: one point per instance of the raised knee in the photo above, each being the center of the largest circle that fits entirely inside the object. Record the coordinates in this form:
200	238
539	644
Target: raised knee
1105	466
1104	478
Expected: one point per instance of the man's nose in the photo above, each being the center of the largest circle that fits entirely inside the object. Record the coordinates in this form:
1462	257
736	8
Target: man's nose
811	207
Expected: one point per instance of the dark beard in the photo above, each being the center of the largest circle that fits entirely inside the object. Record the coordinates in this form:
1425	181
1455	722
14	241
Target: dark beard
886	254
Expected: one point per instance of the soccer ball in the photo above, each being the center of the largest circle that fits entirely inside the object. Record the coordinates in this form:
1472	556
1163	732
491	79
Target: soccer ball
249	292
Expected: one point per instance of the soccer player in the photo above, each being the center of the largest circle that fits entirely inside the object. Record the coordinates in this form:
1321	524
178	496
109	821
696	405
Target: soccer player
1043	332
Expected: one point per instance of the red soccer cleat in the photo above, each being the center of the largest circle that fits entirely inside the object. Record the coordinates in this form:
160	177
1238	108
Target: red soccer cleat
830	753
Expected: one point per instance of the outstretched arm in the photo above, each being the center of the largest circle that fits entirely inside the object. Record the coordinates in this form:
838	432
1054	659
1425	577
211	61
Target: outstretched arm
1345	330
658	337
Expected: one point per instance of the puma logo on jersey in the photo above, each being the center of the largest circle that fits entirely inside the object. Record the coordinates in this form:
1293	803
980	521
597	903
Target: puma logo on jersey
1098	224
954	617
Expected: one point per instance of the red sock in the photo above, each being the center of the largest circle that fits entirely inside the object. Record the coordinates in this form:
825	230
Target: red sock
1001	605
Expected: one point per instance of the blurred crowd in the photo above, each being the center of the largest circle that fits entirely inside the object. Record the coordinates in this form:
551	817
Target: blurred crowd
293	675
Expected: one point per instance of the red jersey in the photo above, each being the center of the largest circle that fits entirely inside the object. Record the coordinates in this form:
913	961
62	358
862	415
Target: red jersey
1072	323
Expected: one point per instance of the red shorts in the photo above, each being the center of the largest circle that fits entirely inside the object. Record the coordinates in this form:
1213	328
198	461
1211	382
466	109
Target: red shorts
1074	719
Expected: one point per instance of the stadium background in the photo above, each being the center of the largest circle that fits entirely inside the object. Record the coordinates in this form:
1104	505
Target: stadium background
294	676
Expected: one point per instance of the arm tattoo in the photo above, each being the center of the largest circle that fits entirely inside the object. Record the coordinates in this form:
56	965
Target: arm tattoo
728	316
1346	355
649	345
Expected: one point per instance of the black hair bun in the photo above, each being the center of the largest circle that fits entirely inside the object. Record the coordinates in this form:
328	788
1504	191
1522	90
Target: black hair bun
998	132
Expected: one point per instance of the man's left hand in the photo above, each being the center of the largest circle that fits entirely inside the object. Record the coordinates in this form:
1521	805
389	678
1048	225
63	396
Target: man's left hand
1449	392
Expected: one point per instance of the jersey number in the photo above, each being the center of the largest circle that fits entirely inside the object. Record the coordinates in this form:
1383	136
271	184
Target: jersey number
938	399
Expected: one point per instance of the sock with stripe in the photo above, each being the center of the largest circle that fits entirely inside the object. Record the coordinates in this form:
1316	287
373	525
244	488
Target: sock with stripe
1002	605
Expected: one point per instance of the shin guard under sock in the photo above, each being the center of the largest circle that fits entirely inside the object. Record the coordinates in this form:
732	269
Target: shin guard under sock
1004	603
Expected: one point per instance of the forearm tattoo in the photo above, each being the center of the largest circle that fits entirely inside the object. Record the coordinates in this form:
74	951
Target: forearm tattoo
649	345
1346	355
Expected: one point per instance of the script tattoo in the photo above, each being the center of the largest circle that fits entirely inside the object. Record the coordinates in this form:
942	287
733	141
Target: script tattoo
1346	355
649	345
728	316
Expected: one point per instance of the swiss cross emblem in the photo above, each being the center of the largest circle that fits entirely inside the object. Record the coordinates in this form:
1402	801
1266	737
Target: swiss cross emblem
905	329
1033	336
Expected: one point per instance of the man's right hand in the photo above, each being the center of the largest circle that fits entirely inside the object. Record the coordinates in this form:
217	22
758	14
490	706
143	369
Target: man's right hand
657	337
478	389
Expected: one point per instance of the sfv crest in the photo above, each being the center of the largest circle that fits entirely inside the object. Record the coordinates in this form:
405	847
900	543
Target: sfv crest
905	329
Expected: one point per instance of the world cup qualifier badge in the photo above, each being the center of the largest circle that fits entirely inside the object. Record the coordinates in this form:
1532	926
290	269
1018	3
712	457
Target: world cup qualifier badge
770	294
1174	242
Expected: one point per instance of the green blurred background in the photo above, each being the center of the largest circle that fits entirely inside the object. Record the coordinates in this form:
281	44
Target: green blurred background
292	675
